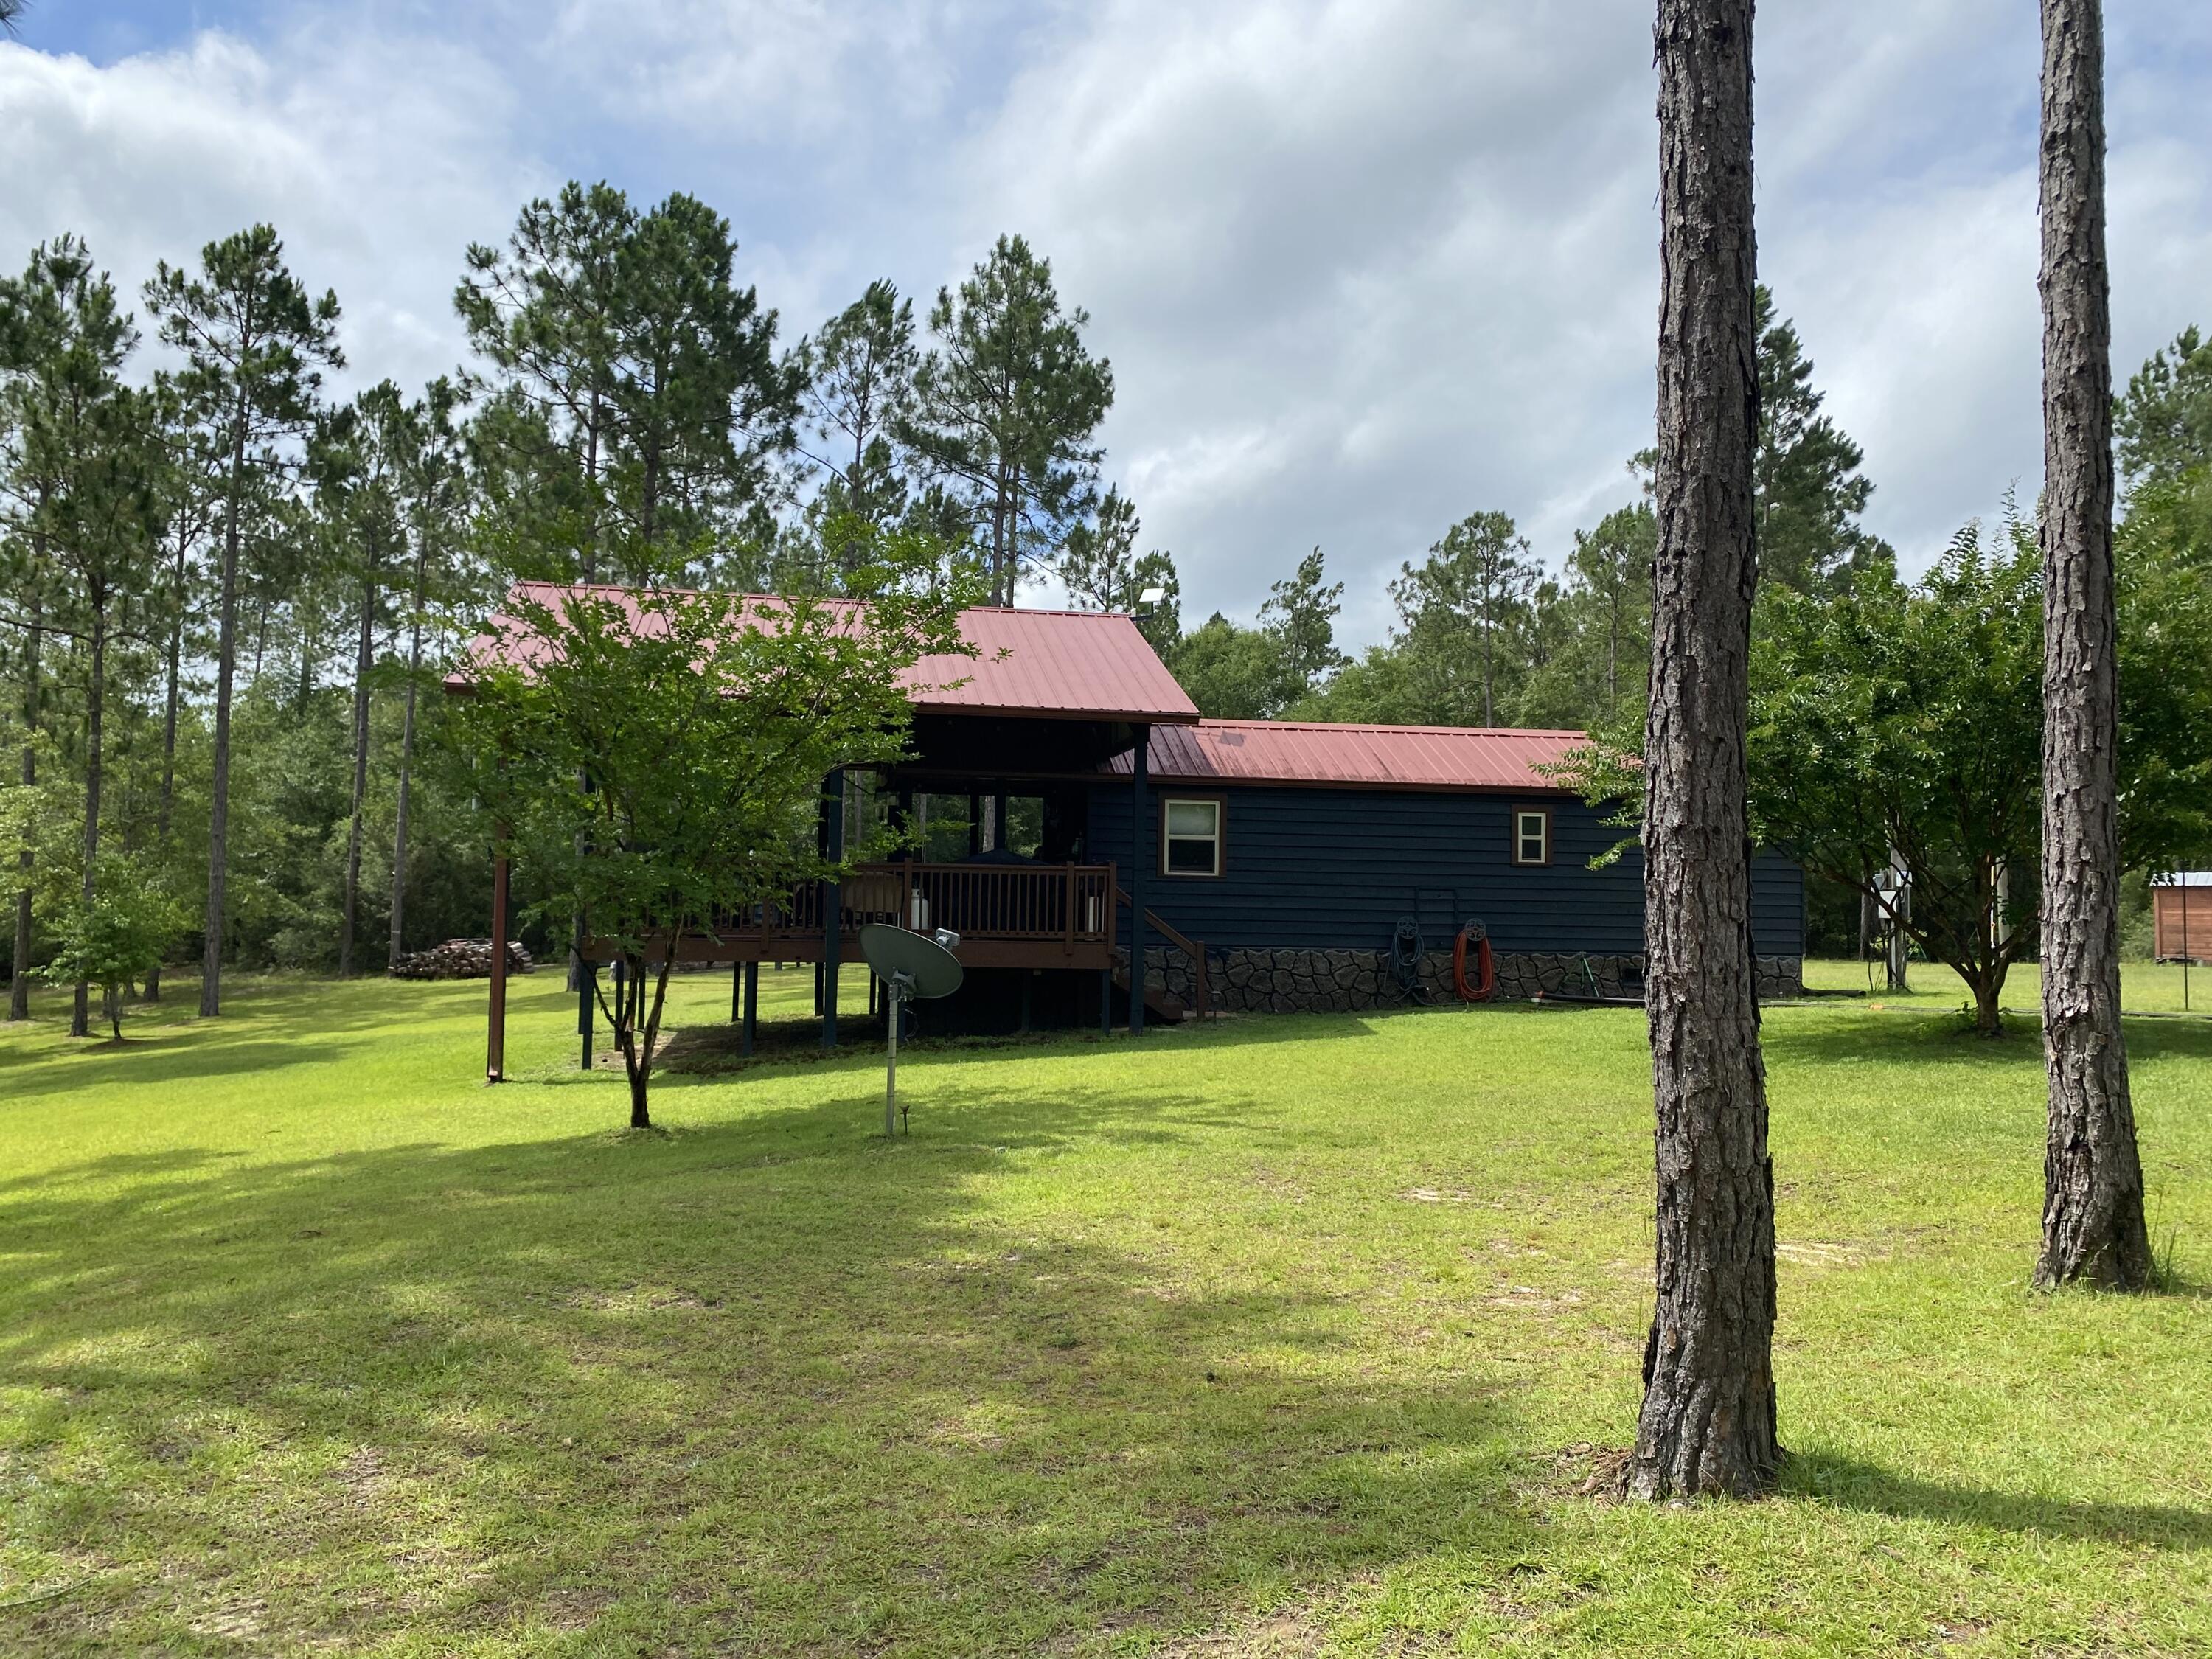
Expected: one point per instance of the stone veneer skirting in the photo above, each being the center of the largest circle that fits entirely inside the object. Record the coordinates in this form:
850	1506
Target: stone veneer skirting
1309	982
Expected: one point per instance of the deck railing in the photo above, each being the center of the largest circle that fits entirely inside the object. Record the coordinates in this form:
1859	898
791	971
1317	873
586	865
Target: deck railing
1070	903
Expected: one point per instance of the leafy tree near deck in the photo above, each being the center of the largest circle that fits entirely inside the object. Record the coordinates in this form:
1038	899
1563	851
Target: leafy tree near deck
253	339
705	724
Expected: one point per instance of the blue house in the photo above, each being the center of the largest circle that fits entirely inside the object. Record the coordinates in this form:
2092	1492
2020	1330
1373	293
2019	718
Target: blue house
1246	865
1335	867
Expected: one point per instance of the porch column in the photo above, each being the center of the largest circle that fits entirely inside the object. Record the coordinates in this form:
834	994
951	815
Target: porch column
833	900
1140	845
495	1038
975	823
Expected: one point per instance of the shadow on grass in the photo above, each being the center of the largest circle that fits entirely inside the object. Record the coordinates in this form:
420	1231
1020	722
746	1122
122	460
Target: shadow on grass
800	1372
1855	1486
1919	1037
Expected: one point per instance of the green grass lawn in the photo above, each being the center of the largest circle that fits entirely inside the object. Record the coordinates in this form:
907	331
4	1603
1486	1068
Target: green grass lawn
1279	1336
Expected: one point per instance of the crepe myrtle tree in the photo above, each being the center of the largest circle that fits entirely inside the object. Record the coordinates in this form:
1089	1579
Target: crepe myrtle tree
1901	724
702	725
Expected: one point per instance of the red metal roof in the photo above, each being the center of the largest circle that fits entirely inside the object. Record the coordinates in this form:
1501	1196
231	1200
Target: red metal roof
1073	664
1362	757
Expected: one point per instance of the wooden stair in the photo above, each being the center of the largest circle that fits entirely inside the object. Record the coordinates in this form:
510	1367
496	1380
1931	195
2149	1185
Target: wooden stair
1165	1003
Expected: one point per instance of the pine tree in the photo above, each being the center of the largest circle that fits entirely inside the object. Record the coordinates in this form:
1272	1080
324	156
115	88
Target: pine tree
86	438
2094	1227
700	407
1809	489
251	338
433	485
544	311
1459	613
1301	612
189	481
1007	407
1707	1424
859	368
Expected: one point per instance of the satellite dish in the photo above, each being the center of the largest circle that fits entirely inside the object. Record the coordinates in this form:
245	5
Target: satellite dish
910	965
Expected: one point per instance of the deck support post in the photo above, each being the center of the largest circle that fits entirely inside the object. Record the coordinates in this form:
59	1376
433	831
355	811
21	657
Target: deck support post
833	900
1027	980
495	1038
588	974
752	1008
1105	1002
1139	858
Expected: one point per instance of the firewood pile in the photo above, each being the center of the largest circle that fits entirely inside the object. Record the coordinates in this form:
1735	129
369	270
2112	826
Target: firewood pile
459	958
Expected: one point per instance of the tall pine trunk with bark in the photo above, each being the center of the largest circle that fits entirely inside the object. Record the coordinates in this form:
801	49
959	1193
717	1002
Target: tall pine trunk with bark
225	671
169	735
364	659
19	985
95	704
2093	1205
1708	1419
407	761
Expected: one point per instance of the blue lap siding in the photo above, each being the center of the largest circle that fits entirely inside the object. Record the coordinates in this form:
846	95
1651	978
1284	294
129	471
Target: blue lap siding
1334	869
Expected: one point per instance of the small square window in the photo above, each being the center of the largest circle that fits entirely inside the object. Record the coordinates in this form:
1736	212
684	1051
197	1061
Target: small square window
1532	837
1190	837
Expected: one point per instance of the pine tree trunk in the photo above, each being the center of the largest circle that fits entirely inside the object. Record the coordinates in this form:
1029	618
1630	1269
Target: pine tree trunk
225	671
1708	1419
2093	1203
95	705
363	660
407	766
169	743
19	983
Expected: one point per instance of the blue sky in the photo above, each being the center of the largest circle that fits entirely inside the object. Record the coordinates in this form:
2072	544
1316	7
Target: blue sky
1361	267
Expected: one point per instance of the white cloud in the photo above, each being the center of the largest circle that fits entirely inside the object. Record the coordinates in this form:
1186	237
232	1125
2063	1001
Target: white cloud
1363	266
376	160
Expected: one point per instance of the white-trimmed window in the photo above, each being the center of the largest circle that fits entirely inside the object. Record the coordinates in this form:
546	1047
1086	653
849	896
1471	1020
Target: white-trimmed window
1532	834
1190	836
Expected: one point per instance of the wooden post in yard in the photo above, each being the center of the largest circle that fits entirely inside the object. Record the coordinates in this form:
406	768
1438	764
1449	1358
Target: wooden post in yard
833	902
496	1039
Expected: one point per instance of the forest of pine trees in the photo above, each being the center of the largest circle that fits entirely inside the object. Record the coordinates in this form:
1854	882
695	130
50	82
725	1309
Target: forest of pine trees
228	594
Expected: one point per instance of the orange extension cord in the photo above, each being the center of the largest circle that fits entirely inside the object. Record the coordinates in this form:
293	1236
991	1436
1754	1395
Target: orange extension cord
1485	966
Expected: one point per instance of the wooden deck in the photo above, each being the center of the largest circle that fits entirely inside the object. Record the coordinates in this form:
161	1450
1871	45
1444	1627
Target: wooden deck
1007	916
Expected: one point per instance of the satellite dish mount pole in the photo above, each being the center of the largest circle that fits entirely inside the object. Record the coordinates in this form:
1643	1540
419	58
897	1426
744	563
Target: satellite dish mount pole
900	985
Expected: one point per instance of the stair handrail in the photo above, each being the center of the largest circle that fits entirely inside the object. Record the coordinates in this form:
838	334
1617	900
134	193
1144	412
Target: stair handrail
1194	949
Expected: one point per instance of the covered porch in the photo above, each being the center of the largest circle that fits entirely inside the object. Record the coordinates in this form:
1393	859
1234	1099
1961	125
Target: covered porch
1017	737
